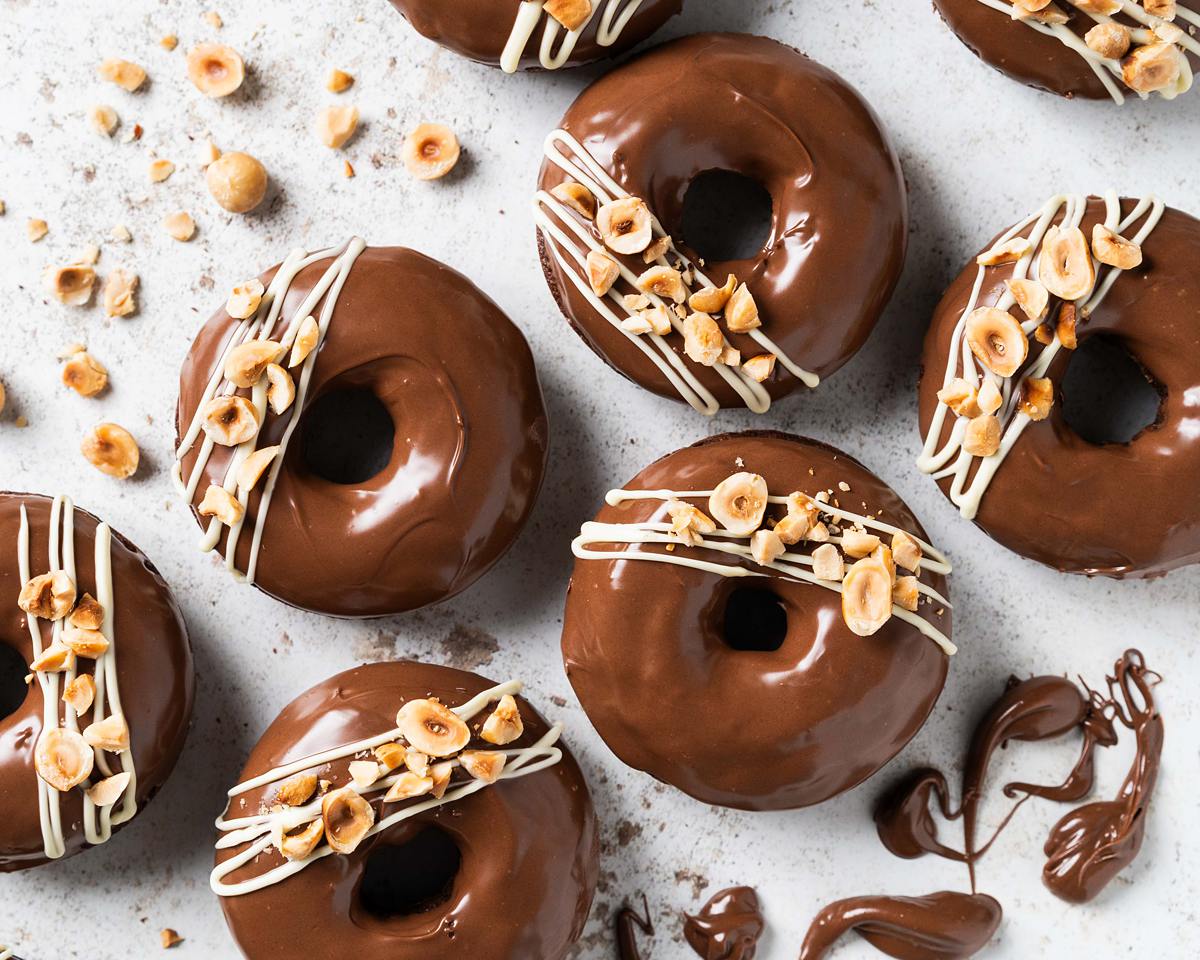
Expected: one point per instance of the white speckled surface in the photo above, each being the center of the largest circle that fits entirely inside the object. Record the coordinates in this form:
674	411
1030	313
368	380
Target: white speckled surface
978	152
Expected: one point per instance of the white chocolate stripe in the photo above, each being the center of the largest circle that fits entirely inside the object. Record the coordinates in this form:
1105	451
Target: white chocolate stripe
531	13
952	460
259	830
5	953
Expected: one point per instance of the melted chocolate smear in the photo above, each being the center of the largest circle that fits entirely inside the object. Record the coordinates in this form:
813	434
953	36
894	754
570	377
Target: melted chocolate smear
940	926
629	922
727	927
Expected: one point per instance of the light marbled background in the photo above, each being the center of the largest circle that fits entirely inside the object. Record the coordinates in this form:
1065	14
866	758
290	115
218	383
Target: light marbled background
978	151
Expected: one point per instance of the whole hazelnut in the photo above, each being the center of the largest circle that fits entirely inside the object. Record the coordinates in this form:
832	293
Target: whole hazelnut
111	449
215	69
237	181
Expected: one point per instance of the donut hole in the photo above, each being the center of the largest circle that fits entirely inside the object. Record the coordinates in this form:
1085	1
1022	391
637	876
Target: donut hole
1107	395
13	688
755	620
726	216
403	879
347	436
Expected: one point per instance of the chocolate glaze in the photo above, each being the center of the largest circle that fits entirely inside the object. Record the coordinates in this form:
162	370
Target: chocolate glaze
479	29
629	922
1121	510
727	927
154	669
1028	56
755	107
458	380
529	846
941	926
644	649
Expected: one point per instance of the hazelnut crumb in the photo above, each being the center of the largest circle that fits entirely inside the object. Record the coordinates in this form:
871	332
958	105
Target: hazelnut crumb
170	938
180	225
120	233
71	284
119	293
84	374
347	169
336	125
160	169
103	119
338	81
169	42
125	74
215	69
36	229
213	19
208	153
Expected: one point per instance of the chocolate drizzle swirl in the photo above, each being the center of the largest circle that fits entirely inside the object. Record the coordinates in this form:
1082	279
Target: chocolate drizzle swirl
727	927
629	922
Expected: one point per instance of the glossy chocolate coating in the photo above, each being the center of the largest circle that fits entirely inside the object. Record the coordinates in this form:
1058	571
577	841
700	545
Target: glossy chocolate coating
727	927
755	107
1121	510
645	651
479	29
154	671
458	380
1033	58
529	846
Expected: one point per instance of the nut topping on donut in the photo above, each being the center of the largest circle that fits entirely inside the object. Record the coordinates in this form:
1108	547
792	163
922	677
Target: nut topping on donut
56	658
855	543
828	563
230	420
905	593
432	728
688	521
572	14
741	313
867	596
766	547
1153	67
297	791
1009	251
220	503
504	725
625	225
306	338
1065	267
88	613
960	397
1068	319
364	772
665	282
703	341
739	503
109	790
391	756
297	846
348	819
111	734
997	340
417	762
440	775
982	437
247	362
408	785
1037	398
80	694
485	765
1114	250
1111	40
603	272
89	644
906	551
1104	7
49	596
63	759
759	368
245	299
1031	296
713	299
576	196
658	249
252	468
990	398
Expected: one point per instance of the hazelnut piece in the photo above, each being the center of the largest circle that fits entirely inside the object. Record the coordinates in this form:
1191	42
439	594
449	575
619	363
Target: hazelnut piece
1037	398
433	729
252	468
390	756
1031	297
119	290
220	503
1153	67
129	76
245	299
111	734
625	226
741	313
180	226
440	774
572	14
1110	40
63	758
306	338
867	596
982	436
504	725
89	644
103	119
739	503
247	362
297	791
689	521
159	170
997	340
431	151
960	397
416	761
576	196
71	284
56	658
1114	250
485	765
855	543
713	299
88	613
1010	251
109	790
364	772
702	339
1065	327
230	420
665	282
208	153
603	272
338	81
1066	267
905	593
237	181
766	547
406	786
80	694
336	125
49	596
84	374
297	846
348	819
828	563
906	551
111	449
990	398
281	390
36	229
215	69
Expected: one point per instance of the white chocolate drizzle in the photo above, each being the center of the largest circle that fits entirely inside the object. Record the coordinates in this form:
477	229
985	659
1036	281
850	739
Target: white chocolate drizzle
617	16
1107	69
793	564
98	822
259	830
570	240
5	953
952	460
261	325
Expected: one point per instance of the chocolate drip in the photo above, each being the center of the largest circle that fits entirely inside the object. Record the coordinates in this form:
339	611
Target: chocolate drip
940	926
727	927
629	922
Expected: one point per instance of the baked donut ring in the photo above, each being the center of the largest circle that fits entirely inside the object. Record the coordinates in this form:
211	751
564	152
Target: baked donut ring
747	676
632	146
450	870
1118	509
129	685
517	34
413	450
1095	56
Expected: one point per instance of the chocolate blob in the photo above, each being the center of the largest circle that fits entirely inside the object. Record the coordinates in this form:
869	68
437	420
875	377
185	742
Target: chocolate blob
528	847
754	107
458	473
646	649
154	670
727	927
629	923
479	29
1116	509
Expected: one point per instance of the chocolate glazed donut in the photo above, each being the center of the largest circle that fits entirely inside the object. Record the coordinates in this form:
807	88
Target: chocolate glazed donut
649	647
464	441
1036	58
754	107
154	670
528	847
483	29
1117	509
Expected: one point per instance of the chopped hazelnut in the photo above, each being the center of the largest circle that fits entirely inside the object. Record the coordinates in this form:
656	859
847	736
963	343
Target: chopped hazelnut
180	226
408	785
336	125
220	503
504	726
84	374
169	938
866	596
664	282
338	81
1110	40
253	467
828	563
89	644
855	543
997	340
244	300
1068	318
208	153
1031	297
1166	9
103	119
1008	252
741	313
390	755
1065	266
982	436
431	151
658	248
306	339
169	42
110	734
440	774
417	762
215	69
297	846
990	398
111	449
576	196
120	233
364	772
246	363
905	593
56	658
638	325
1037	398
237	181
129	76
297	791
49	596
688	521
625	226
432	728
347	169
759	368
347	818
703	342
159	170
1114	250
213	19
572	14
119	288
72	284
63	758
80	694
485	765
88	613
960	397
281	389
906	551
36	229
766	547
230	420
658	320
603	272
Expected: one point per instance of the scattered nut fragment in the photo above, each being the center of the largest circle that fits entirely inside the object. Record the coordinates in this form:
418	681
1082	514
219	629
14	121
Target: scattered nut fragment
572	14
297	846
159	170
867	596
347	818
230	420
602	271
408	785
252	468
855	543
713	299
1065	327
766	547
237	181
689	522
997	340
702	339
982	436
123	73
220	503
84	374
364	772
89	644
416	761
1153	67
347	169
1169	32
306	339
1037	398
485	765
336	125
431	151
990	398
1114	250
1166	9
1008	252
119	290
432	728
638	324
759	368
169	938
338	81
111	449
657	319
1044	334
111	734
169	42
664	282
1043	11
36	229
63	758
49	596
906	593
739	502
741	313
828	563
208	153
658	248
88	613
390	755
244	300
132	134
247	362
960	397
56	658
80	694
297	791
281	389
1031	296
109	790
1066	267
440	774
906	551
215	69
213	19
72	284
576	196
3	396
1110	40
504	725
625	226
103	119
180	226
